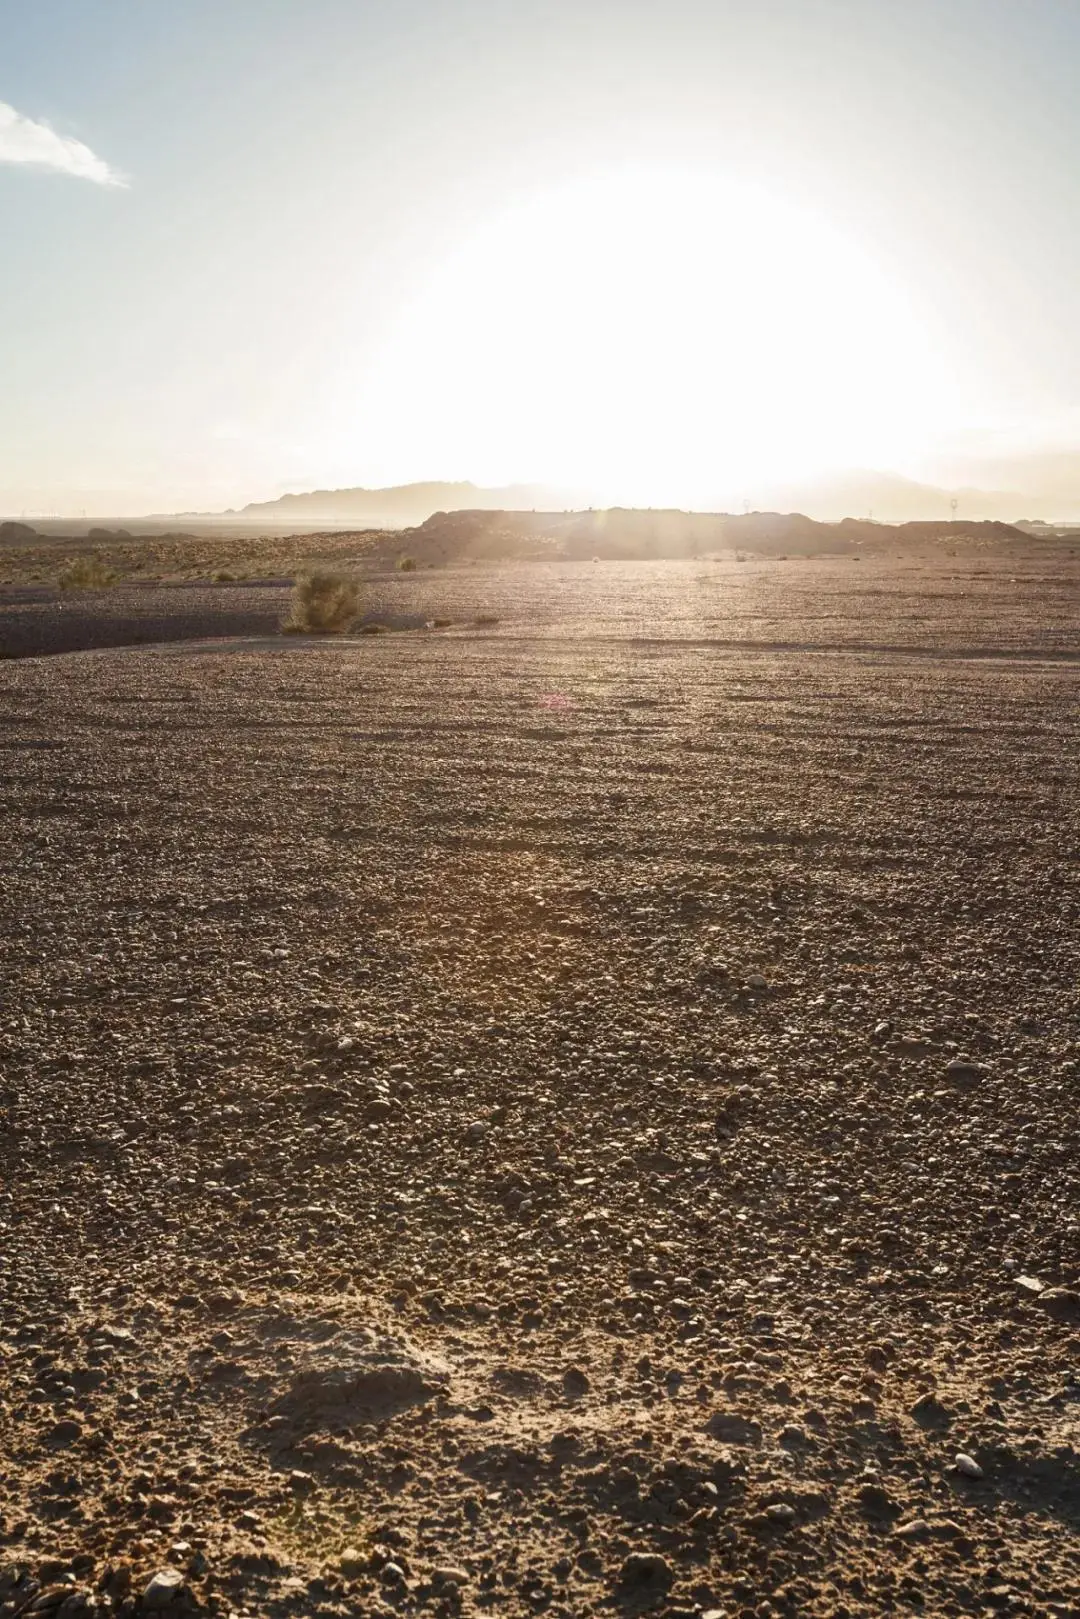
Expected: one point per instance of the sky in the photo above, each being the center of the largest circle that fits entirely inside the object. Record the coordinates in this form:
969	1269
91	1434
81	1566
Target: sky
658	251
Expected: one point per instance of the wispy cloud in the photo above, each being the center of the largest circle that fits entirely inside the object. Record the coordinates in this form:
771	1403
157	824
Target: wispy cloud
22	140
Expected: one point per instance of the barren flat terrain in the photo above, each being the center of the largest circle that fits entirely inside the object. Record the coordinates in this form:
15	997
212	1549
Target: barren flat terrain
577	1114
994	602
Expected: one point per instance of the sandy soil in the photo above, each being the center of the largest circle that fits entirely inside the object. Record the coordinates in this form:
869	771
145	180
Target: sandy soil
524	1121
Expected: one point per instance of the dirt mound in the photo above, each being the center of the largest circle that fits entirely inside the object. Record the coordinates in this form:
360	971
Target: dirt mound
355	1380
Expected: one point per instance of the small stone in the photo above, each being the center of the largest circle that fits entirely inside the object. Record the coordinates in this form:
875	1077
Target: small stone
780	1512
733	1429
477	1130
646	1570
930	1413
968	1465
117	1336
164	1588
1061	1304
914	1529
1031	1284
393	1573
77	1605
117	1581
352	1562
962	1072
575	1382
757	981
876	1500
49	1600
449	1576
64	1433
911	1045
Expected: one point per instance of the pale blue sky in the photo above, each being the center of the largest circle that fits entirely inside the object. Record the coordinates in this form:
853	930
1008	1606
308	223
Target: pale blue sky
344	223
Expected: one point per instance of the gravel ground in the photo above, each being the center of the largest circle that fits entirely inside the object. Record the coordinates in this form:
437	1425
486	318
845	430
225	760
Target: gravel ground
990	603
520	1124
39	620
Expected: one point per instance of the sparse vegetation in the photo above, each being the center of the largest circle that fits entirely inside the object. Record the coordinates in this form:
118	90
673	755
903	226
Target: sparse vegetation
406	564
85	573
486	618
322	604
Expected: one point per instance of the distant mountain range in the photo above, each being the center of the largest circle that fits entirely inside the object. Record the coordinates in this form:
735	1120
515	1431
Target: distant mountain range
887	497
406	504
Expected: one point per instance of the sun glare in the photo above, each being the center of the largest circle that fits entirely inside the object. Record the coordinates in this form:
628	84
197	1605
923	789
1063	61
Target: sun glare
661	338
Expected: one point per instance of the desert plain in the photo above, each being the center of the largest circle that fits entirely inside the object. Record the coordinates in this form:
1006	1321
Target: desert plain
569	1106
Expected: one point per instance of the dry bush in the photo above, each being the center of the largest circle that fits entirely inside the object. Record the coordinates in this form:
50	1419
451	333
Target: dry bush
85	573
322	604
406	564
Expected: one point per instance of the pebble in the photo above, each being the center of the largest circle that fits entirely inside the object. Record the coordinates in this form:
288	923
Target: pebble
352	1562
968	1465
732	1429
780	1512
757	981
575	1382
65	1433
1062	1304
164	1588
875	1499
645	1568
914	1529
963	1072
450	1576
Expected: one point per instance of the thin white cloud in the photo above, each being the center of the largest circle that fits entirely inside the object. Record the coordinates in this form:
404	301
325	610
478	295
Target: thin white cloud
22	140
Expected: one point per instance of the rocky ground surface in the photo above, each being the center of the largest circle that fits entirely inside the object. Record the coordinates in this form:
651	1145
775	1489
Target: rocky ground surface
989	603
39	620
537	1124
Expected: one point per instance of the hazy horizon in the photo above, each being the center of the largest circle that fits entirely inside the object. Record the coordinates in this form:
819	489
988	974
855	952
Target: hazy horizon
705	256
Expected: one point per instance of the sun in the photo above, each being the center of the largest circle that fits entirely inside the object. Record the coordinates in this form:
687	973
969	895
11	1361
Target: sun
662	337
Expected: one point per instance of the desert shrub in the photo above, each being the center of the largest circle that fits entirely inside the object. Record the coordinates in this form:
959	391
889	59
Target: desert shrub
441	623
486	618
222	576
407	564
374	629
85	573
322	604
